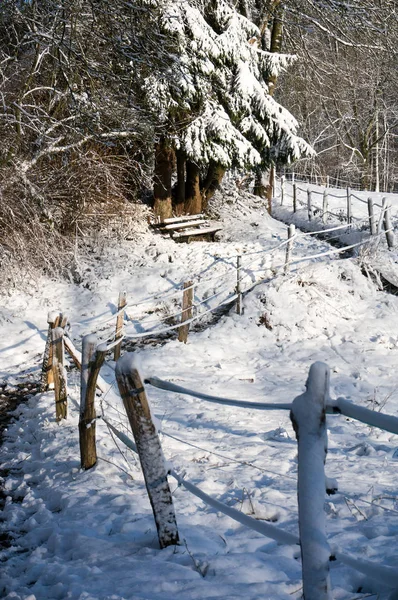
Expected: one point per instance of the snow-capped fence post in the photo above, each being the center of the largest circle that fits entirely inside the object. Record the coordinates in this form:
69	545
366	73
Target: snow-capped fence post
325	206
381	215
291	230
371	213
282	189
238	289
149	449
119	324
308	417
309	204
294	198
92	360
59	374
349	206
186	314
387	227
53	320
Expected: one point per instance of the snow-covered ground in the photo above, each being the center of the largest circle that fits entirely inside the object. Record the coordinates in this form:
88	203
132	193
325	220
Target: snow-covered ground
91	535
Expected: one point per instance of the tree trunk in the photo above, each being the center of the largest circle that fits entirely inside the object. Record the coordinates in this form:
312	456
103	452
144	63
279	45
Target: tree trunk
164	157
179	202
193	197
212	182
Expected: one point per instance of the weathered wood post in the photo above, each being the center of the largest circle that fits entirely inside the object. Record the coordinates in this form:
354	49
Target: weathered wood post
282	189
309	204
59	374
381	216
47	378
308	417
327	181
92	360
119	324
349	206
388	227
238	289
149	449
325	206
186	314
294	198
291	231
371	213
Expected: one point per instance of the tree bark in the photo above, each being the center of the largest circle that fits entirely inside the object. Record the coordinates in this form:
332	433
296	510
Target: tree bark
193	197
164	157
215	174
179	205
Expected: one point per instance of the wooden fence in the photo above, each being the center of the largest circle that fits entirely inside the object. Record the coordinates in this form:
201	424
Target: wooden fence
307	413
317	204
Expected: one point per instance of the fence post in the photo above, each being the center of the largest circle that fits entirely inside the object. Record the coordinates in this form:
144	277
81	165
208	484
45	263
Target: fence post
325	206
47	378
291	230
92	360
309	204
282	189
327	181
308	417
59	374
238	290
372	223
294	198
387	227
186	314
149	449
119	324
349	206
381	216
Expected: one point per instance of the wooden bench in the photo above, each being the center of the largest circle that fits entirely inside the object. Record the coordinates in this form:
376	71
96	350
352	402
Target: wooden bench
187	227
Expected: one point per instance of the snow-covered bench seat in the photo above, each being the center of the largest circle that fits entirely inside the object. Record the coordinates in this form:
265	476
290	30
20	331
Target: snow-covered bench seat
184	228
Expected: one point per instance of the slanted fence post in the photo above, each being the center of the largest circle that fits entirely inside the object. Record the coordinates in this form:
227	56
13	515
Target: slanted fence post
325	206
47	378
149	449
294	198
186	314
309	204
119	324
238	285
308	417
92	360
371	213
59	374
388	227
349	206
290	235
282	189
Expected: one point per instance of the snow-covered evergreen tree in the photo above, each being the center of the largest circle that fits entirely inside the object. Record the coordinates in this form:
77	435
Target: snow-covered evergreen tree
214	104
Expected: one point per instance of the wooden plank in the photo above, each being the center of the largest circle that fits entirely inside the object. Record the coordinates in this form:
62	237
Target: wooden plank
183	224
187	300
119	324
308	417
203	231
170	220
149	449
47	378
59	374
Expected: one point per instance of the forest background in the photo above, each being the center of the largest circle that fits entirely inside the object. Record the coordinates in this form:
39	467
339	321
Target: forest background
107	105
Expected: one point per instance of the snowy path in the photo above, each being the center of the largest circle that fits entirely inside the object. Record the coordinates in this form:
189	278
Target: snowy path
91	535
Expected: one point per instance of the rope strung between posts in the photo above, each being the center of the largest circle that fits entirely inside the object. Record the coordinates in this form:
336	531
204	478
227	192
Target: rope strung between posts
381	573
